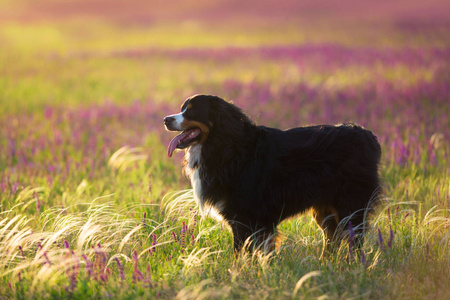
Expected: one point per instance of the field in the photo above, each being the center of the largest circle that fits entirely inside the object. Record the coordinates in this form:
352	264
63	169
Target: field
91	206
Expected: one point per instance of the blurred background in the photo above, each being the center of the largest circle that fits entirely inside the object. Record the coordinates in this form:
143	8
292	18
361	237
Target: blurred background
81	40
111	69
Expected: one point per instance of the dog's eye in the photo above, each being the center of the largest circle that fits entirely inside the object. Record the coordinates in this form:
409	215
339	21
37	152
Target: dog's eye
189	112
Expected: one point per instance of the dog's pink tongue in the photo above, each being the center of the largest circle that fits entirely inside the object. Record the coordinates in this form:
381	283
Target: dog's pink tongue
174	143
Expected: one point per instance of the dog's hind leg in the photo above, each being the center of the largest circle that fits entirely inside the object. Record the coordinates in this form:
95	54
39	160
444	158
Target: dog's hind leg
327	218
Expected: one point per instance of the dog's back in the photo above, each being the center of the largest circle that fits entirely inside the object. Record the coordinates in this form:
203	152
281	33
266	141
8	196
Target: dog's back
326	165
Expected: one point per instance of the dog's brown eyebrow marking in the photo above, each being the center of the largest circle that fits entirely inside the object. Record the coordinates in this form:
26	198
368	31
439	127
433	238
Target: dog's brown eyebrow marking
189	106
183	105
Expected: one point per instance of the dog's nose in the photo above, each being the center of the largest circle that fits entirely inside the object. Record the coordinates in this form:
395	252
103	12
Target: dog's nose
168	120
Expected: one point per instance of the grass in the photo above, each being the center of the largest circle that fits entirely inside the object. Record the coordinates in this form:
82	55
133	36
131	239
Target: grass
91	207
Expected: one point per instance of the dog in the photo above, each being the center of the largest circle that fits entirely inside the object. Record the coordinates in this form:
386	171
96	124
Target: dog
254	177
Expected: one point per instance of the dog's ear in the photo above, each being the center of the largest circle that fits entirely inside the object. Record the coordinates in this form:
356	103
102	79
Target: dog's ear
228	117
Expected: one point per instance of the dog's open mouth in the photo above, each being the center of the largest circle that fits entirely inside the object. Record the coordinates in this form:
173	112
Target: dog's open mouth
184	140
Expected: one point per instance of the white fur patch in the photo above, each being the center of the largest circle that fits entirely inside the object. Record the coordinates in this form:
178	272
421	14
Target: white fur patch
179	118
193	159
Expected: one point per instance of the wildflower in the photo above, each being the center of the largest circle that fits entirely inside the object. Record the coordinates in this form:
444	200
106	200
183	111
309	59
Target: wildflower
391	237
148	278
89	265
21	251
137	275
154	243
46	259
14	187
174	236
363	258
120	267
105	275
102	253
73	272
195	222
183	235
351	237
100	263
380	239
144	221
404	218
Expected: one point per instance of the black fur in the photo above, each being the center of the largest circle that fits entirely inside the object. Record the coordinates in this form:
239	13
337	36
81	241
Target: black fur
264	175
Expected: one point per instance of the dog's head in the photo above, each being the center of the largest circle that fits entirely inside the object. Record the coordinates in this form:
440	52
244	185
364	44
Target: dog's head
201	116
194	121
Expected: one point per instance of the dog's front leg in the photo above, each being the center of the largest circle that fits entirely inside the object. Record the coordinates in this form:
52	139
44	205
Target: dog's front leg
241	234
256	237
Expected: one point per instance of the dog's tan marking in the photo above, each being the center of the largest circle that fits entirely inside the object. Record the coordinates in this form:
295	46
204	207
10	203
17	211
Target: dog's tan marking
186	124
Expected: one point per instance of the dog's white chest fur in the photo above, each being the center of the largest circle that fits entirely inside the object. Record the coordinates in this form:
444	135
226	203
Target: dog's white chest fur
192	170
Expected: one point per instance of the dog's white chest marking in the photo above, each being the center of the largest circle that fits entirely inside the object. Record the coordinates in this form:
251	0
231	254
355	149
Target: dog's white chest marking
193	156
192	170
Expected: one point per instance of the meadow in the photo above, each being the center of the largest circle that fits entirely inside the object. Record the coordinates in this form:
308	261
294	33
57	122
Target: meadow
91	206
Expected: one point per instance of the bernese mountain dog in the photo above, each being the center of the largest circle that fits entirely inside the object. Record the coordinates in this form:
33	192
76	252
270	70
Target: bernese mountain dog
254	177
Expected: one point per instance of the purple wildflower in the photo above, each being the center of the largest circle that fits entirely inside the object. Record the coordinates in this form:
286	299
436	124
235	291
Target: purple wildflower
391	237
15	187
183	235
105	275
21	252
195	222
380	239
120	267
404	218
102	253
72	272
89	265
100	264
351	238
46	259
363	258
174	236
137	275
153	243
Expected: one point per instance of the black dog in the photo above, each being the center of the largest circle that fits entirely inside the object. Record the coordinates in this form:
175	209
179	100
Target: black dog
254	177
